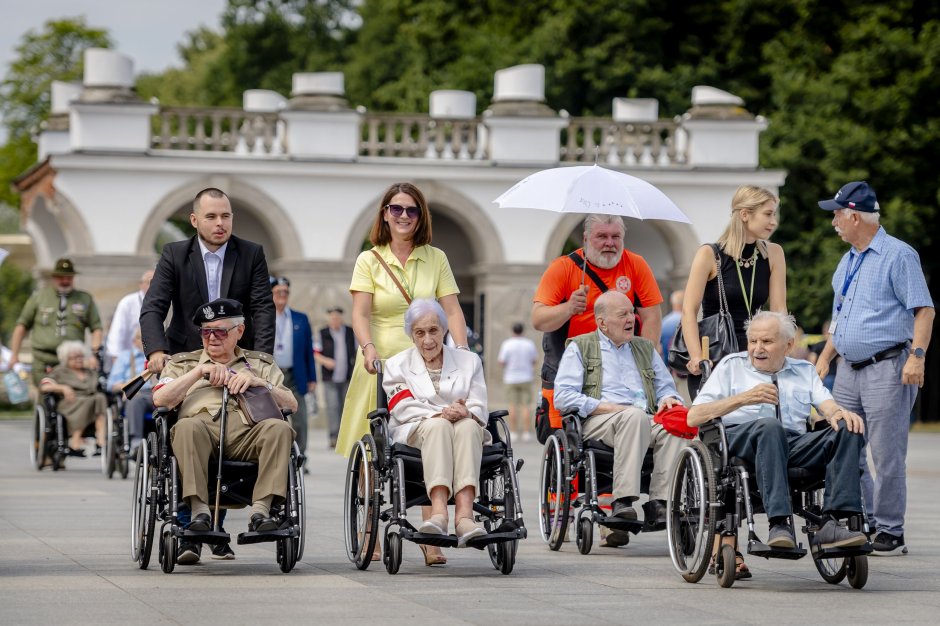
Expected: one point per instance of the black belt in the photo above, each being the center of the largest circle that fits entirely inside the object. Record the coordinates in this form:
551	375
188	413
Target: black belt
884	355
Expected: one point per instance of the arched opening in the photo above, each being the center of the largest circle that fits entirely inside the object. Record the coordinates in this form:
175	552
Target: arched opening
257	218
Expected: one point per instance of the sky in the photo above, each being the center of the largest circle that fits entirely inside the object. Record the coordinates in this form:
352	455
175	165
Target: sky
148	31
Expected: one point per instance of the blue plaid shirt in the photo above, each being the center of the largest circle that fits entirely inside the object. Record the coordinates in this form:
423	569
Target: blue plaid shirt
878	310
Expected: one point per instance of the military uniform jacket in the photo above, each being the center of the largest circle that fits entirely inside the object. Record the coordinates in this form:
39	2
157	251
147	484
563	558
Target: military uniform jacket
204	397
50	325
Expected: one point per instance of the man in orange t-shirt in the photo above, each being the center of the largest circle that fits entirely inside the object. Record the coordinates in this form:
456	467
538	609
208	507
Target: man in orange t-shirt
564	308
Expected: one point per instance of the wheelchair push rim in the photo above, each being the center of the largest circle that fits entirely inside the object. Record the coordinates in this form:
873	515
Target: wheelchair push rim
554	491
690	521
360	510
38	451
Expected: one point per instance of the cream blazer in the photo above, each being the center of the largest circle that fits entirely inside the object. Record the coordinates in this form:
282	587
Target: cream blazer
411	395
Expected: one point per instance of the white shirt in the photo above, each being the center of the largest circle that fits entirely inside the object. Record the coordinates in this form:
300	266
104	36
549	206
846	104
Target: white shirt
800	387
284	339
124	324
340	358
517	355
213	263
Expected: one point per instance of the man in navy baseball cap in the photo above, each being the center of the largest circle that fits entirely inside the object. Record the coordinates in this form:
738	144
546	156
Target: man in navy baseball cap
856	195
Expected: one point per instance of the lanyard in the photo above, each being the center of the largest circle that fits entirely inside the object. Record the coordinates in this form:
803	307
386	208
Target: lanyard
748	297
849	276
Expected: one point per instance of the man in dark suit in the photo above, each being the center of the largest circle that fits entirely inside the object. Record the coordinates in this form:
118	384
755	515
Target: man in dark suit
336	353
213	264
293	353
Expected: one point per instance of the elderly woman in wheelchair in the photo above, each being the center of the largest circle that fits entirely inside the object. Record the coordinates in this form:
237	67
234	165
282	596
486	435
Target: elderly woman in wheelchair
437	403
753	410
77	384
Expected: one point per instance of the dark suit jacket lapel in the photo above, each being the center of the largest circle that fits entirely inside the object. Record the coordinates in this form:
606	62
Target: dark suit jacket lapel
228	266
197	267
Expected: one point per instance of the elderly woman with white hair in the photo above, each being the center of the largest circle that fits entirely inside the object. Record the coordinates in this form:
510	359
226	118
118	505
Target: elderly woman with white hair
77	385
437	403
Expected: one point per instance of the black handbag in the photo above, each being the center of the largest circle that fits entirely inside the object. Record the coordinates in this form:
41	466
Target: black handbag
719	328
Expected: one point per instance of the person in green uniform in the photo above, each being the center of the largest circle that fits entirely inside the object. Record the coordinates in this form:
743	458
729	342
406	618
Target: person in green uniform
54	314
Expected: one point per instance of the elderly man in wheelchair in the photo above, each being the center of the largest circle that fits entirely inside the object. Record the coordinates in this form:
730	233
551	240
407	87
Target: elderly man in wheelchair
763	399
615	382
194	382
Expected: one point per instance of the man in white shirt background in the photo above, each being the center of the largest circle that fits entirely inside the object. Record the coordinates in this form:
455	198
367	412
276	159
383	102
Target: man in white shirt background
518	355
126	319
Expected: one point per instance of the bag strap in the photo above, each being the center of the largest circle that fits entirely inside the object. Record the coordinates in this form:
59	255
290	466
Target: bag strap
392	274
579	261
722	299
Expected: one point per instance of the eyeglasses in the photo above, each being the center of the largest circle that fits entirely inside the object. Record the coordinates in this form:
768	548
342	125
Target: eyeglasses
396	210
278	280
221	333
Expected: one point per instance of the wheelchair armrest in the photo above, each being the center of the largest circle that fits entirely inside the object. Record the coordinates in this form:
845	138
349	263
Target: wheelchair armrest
383	413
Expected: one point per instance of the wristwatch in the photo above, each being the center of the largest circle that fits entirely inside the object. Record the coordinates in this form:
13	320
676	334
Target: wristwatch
918	353
269	386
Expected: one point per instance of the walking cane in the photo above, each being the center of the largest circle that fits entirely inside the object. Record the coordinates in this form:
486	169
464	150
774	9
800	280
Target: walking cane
223	417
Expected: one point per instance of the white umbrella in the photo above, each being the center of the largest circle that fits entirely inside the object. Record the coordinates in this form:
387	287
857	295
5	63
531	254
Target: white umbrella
591	189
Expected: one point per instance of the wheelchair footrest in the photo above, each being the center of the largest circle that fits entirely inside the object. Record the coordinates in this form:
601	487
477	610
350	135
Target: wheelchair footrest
619	523
761	549
271	535
496	537
209	536
840	553
441	541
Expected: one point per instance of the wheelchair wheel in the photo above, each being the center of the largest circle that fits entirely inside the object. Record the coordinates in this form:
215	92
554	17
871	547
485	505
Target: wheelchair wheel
38	451
554	490
286	554
585	535
833	571
857	569
725	566
392	554
361	507
498	490
690	522
300	540
168	546
144	513
109	455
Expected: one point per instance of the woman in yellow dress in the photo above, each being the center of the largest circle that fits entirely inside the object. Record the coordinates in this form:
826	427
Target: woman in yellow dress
401	236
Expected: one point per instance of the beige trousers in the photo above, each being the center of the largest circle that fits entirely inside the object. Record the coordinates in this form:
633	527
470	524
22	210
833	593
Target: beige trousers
630	433
268	443
450	452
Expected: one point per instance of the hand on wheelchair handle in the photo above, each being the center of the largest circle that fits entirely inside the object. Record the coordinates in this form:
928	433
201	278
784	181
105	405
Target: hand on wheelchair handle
695	366
156	362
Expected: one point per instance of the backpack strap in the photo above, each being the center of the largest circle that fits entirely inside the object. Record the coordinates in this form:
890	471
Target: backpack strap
578	260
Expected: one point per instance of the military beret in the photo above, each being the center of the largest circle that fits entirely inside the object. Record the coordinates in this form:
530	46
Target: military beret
217	310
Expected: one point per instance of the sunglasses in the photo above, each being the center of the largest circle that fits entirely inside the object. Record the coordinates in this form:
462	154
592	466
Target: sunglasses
221	333
396	210
279	280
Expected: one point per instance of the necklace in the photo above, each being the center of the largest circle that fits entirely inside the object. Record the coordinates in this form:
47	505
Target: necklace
748	262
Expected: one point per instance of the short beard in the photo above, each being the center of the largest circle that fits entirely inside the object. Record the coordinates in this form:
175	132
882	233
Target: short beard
597	259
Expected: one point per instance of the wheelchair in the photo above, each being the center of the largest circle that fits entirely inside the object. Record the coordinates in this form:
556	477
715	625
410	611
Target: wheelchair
157	498
711	494
377	464
573	473
117	440
50	441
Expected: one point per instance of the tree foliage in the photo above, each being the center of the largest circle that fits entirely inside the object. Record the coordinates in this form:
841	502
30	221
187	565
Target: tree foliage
53	53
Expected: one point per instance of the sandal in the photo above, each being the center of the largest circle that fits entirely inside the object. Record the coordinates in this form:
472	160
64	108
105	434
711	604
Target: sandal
432	559
741	571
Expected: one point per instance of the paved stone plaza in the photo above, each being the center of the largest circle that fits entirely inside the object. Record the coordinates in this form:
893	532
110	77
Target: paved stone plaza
65	559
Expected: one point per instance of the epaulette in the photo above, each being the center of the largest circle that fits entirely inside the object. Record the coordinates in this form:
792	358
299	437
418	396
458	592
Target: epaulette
261	356
180	357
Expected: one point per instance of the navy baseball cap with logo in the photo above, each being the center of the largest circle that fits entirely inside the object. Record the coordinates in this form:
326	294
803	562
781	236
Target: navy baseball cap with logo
856	195
217	310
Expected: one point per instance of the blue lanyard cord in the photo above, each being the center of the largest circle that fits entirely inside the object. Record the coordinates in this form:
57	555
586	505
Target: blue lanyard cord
849	276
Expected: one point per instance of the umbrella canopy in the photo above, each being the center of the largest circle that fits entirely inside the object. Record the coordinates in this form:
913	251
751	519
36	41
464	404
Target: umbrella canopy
591	189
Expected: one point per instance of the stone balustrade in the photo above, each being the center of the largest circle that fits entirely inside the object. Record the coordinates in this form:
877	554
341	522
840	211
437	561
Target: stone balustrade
654	144
218	130
421	136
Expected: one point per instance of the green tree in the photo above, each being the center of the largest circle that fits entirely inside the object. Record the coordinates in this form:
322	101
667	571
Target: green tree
194	83
53	53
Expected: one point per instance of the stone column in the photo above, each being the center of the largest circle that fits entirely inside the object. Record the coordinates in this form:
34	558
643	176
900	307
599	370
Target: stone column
54	134
720	131
320	124
522	128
